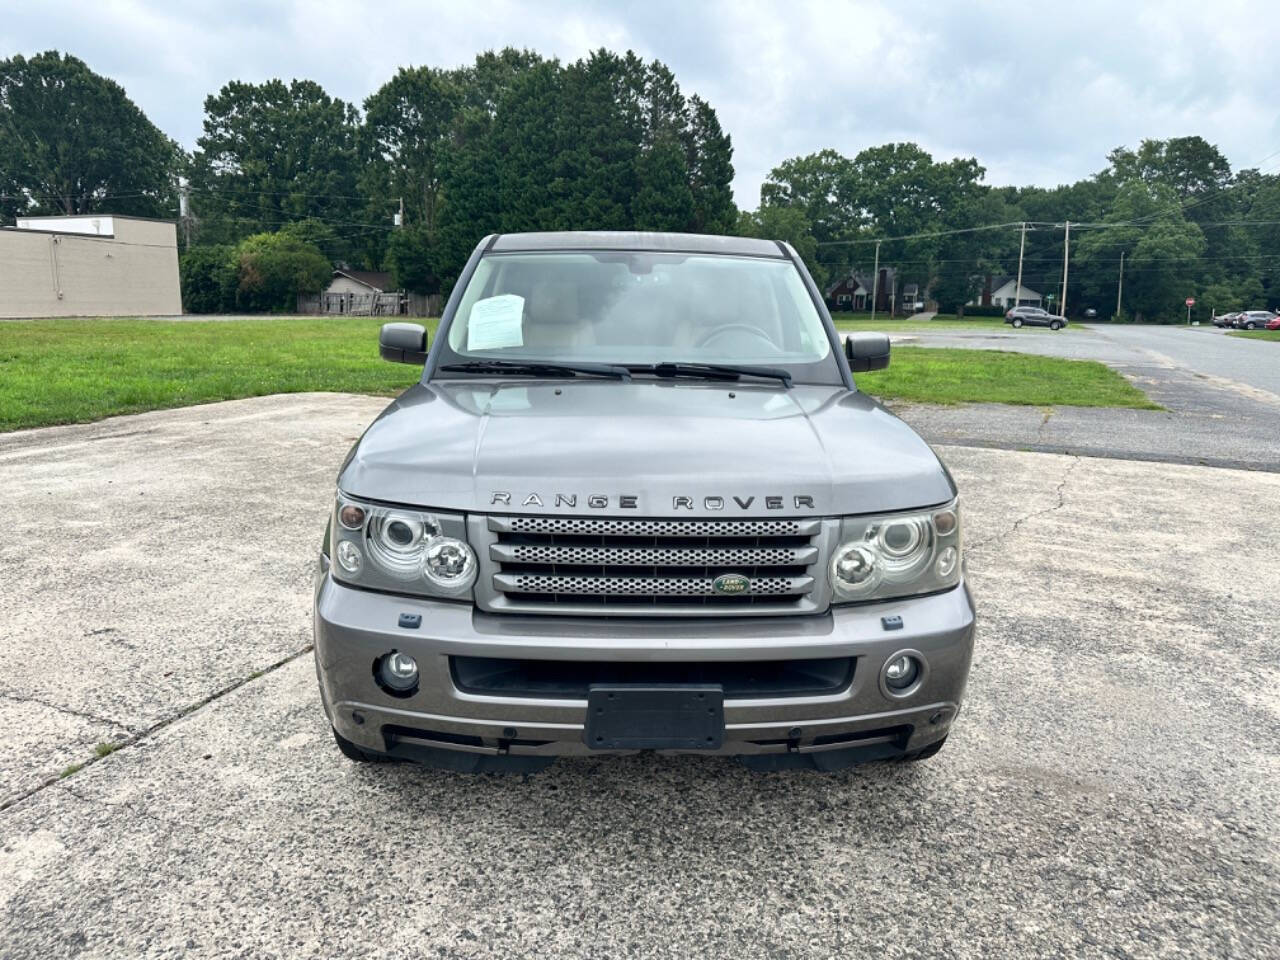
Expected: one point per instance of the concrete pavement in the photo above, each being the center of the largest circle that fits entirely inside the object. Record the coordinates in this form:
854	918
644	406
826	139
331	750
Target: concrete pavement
1221	394
1111	788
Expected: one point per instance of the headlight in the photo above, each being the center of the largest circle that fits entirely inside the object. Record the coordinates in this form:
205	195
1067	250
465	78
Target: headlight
449	564
897	555
402	550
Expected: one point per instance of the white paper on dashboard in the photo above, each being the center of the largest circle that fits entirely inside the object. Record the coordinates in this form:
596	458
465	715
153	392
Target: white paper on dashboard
496	323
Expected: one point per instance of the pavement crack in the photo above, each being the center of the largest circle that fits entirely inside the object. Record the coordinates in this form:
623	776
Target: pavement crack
134	738
132	808
1060	500
1044	422
71	711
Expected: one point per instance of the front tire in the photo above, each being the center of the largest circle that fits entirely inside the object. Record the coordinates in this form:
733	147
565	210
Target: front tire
1017	322
1055	325
1248	326
358	754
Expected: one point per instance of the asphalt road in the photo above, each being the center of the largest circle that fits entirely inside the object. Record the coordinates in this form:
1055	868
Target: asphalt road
1221	394
1111	789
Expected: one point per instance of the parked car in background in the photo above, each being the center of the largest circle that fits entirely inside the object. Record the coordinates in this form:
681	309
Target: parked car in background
1254	319
1090	313
1034	317
1225	319
1273	324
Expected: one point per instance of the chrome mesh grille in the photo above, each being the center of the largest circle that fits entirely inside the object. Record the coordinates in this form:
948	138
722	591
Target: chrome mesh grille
654	528
572	565
638	585
597	555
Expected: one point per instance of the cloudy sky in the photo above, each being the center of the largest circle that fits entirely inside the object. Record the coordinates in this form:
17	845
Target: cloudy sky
1038	91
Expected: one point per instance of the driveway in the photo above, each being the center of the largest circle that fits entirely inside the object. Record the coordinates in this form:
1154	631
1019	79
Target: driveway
1111	788
1221	393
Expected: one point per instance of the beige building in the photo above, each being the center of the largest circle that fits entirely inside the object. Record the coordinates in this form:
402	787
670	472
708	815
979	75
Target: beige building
89	266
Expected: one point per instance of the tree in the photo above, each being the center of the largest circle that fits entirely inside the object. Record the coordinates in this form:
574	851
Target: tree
274	268
1190	166
210	274
411	260
822	185
710	165
663	200
470	205
599	130
316	233
524	137
606	143
789	224
273	153
1161	246
408	125
72	142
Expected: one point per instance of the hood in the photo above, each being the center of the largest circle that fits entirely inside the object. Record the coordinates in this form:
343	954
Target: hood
645	448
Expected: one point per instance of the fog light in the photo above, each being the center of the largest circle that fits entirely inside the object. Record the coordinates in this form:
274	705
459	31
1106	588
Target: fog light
349	557
399	671
901	672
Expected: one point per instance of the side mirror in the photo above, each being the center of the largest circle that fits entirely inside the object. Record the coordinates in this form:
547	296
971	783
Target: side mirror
867	351
403	342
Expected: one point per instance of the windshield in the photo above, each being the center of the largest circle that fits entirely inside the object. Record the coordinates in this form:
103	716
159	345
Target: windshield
637	308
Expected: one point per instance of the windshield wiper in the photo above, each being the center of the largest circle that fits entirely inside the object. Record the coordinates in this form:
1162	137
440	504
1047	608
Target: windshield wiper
537	368
711	371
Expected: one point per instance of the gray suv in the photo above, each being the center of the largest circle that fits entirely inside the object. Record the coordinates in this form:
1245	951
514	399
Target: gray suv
1253	319
637	502
1034	317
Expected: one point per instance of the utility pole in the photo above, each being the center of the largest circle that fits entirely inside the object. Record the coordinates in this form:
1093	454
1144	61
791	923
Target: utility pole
875	281
1120	285
1066	256
184	212
1022	245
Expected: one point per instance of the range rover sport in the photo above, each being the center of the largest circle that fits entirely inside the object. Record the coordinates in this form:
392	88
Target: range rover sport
637	502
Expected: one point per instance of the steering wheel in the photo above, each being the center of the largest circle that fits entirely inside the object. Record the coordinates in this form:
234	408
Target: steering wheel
754	332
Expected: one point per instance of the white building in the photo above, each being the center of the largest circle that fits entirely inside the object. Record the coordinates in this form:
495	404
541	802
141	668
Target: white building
1003	292
89	266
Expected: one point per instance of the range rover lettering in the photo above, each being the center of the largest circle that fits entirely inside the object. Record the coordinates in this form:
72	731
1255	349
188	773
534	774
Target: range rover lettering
637	501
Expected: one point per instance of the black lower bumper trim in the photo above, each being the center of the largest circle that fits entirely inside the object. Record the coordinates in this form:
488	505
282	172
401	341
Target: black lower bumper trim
572	679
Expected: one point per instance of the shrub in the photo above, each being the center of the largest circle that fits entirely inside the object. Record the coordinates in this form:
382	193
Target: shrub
273	268
981	311
208	276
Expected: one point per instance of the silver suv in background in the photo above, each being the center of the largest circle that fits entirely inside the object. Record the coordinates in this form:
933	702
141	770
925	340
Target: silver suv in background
1034	317
637	502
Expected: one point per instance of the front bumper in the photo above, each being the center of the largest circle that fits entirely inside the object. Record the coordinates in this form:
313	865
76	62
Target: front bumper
353	628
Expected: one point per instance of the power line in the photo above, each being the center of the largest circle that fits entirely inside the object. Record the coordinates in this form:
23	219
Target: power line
922	236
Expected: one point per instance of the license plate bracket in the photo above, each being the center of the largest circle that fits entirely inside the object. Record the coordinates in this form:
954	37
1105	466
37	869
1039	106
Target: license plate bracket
654	717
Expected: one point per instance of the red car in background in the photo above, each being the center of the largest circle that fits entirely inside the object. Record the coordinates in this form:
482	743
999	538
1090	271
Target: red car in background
1273	324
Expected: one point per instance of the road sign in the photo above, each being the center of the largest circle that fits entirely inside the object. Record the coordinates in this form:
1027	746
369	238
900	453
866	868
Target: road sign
1191	301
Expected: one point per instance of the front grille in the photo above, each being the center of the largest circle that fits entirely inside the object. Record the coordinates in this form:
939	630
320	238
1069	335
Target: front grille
648	567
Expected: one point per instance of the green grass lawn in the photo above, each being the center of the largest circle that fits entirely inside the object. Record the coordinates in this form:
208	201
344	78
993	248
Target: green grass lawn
68	371
76	370
946	375
1256	334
